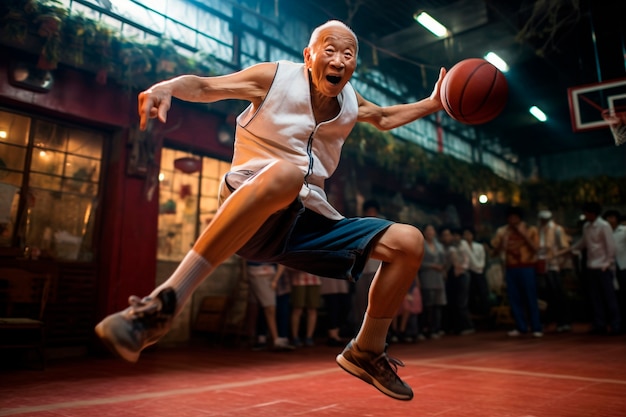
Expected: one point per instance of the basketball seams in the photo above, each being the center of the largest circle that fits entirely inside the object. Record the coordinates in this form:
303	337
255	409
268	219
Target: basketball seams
474	91
468	80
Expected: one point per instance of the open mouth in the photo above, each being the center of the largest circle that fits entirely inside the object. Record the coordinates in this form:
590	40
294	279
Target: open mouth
333	79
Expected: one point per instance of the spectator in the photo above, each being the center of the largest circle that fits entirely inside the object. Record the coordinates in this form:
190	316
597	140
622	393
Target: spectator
457	284
431	276
405	327
305	295
479	290
283	305
518	243
262	278
337	303
598	240
613	217
552	239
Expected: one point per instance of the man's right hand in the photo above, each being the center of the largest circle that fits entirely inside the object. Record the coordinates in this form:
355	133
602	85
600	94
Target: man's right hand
153	103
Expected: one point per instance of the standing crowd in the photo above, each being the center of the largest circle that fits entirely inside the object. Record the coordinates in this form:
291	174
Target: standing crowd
454	287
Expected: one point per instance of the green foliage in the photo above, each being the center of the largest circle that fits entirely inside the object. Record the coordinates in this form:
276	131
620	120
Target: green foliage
608	191
411	165
48	28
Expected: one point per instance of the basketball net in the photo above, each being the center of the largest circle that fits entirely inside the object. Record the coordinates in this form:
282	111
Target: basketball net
616	118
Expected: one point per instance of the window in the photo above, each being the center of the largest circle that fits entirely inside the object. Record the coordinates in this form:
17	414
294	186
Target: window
49	186
187	201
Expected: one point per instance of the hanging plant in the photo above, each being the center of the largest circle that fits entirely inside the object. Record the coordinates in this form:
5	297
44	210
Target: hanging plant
49	22
412	166
76	32
166	57
99	42
14	24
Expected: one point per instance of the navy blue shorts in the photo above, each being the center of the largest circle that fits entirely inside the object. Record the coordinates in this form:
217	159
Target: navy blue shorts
307	241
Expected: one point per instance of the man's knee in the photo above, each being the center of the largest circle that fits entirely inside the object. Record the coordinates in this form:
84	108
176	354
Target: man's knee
282	179
407	243
278	183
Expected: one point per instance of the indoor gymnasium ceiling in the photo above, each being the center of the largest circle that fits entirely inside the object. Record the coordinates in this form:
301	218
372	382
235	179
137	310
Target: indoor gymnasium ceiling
547	43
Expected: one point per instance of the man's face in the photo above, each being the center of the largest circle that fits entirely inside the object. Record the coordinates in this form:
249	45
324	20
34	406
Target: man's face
590	216
468	236
331	60
513	220
446	237
612	220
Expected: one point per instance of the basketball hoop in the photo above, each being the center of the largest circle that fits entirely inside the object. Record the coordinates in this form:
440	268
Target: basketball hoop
616	118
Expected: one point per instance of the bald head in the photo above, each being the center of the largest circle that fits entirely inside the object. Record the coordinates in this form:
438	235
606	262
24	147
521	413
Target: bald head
332	24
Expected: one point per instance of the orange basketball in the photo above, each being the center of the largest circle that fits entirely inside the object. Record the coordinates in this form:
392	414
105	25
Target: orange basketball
474	91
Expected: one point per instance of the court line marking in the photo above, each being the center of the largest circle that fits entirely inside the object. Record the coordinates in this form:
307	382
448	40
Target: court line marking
158	394
516	372
207	388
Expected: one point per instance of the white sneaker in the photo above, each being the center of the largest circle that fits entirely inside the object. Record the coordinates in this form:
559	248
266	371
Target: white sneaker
514	333
282	344
537	334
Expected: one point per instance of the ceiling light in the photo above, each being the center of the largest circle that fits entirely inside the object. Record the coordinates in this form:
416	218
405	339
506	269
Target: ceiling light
3	134
539	115
431	24
483	199
497	61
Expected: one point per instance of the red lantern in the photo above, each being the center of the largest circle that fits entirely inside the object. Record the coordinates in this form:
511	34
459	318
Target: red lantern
188	165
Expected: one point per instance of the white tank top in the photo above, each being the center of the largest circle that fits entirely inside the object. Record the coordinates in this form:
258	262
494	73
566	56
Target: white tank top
283	127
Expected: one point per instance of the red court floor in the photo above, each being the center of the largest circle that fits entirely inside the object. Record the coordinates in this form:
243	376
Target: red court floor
481	375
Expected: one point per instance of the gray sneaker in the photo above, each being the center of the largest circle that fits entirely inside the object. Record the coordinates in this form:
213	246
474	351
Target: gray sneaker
378	370
128	332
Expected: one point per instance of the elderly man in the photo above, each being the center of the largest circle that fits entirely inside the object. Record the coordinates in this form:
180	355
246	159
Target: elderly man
274	209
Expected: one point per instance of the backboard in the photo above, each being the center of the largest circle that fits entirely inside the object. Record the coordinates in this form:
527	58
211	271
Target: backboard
586	103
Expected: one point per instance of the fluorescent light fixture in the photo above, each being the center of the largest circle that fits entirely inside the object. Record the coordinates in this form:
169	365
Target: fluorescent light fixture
431	24
497	61
539	115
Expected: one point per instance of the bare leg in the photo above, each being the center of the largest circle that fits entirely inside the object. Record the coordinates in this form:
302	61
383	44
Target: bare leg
296	314
401	248
245	211
270	319
311	321
404	319
236	221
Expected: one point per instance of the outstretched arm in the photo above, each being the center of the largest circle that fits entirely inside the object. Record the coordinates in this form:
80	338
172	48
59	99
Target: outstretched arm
250	84
386	118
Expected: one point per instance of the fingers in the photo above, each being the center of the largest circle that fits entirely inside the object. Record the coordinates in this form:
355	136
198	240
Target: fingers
151	106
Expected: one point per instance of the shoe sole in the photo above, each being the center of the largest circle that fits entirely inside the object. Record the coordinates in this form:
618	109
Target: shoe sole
119	351
362	374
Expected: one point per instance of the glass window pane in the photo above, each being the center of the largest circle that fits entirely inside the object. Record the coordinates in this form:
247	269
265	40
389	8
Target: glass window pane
45	181
82	142
63	184
58	222
83	169
13	178
47	162
12	157
80	187
180	222
9	198
50	135
14	128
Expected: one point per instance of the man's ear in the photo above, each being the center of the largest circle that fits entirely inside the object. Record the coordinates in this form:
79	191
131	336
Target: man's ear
306	53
